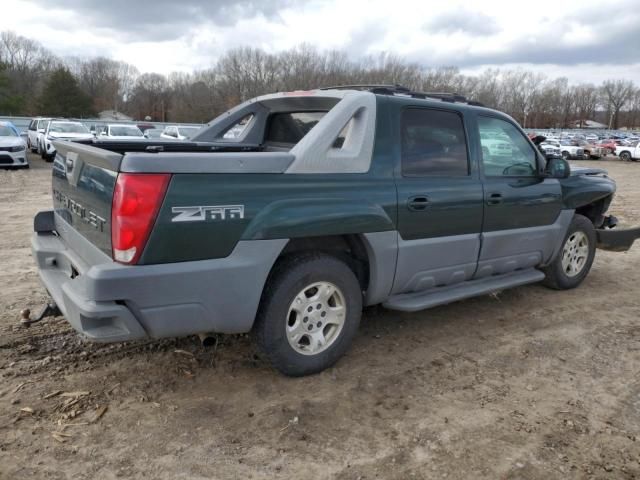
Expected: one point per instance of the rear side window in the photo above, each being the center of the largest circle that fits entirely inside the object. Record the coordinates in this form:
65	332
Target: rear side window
433	144
291	127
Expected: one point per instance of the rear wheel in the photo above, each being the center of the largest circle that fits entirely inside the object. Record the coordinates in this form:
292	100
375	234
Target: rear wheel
625	156
565	155
573	262
309	313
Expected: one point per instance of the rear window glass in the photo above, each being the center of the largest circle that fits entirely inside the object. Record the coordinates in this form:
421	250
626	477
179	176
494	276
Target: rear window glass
291	127
236	130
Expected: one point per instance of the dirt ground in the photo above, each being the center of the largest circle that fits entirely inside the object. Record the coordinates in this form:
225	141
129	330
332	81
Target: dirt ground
529	383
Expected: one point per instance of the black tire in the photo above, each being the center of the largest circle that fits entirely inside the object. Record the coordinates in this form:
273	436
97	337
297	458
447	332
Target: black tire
289	279
625	156
566	155
556	276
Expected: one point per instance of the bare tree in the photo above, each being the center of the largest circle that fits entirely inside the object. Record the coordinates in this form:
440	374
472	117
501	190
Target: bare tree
586	100
246	72
150	97
616	93
27	66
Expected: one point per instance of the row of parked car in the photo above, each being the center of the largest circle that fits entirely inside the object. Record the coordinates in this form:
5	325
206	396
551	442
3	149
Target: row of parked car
579	145
43	131
571	145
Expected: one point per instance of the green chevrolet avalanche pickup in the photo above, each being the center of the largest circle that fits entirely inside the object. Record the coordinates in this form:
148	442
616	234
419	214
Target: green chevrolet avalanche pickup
287	214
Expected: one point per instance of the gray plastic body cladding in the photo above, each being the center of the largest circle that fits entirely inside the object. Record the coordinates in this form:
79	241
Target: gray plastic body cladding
315	152
382	250
504	251
430	262
260	108
100	321
112	302
195	162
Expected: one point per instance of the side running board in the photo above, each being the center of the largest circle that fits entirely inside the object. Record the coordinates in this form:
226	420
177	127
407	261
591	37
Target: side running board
412	302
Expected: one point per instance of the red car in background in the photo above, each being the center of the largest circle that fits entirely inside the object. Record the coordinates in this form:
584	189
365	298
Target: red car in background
609	145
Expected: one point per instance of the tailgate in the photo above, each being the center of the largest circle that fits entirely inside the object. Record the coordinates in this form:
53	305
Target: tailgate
83	182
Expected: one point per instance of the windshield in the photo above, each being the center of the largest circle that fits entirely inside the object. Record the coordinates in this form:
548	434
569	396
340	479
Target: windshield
67	127
188	131
125	131
7	131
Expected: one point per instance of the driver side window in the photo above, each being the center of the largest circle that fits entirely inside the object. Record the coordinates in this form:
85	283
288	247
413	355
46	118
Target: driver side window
505	151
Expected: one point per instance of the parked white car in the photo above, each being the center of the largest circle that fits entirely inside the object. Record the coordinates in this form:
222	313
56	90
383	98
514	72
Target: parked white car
35	133
179	132
495	144
120	132
152	133
570	151
62	130
13	150
551	149
629	152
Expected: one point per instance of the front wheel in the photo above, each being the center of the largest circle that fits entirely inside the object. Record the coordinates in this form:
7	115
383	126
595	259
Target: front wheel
309	313
573	262
566	155
625	156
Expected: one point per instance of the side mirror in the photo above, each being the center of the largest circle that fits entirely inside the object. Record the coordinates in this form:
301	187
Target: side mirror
558	168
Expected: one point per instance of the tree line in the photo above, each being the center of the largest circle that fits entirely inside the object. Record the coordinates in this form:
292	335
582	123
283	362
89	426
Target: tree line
34	81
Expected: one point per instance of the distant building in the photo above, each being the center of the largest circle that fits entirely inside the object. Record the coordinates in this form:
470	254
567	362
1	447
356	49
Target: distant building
588	124
114	116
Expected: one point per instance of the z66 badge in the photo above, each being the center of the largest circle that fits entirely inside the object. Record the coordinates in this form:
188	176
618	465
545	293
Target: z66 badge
204	213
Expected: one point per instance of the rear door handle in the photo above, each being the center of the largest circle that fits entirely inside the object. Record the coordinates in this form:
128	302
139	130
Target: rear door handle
495	199
418	203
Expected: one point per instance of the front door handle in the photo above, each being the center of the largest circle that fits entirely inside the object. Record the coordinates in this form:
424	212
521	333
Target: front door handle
418	203
495	199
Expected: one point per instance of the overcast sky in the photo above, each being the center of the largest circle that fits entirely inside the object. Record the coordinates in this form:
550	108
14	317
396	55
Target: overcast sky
585	40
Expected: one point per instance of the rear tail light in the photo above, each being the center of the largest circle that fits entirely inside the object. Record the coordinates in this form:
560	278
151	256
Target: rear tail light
136	200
